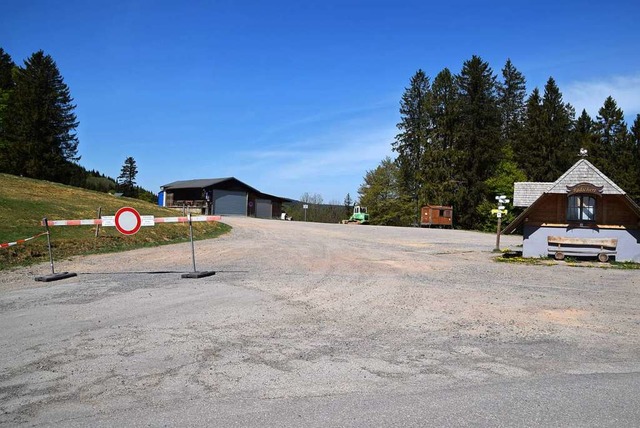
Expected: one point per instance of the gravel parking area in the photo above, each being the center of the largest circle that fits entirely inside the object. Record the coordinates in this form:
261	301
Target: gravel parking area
320	324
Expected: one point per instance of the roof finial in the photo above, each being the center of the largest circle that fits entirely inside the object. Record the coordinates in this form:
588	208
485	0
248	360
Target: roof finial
583	152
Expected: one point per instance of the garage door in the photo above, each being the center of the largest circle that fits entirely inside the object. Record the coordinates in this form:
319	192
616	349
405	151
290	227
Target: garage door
263	208
229	202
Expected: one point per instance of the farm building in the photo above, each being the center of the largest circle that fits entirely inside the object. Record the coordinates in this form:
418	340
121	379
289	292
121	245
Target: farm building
583	213
220	196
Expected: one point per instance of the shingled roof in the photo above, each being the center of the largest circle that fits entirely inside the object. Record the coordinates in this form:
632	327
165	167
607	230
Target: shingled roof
583	171
526	194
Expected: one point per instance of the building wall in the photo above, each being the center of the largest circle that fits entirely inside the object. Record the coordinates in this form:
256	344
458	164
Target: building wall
535	240
610	210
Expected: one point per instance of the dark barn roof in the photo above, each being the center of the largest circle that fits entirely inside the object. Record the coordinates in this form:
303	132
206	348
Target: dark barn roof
203	183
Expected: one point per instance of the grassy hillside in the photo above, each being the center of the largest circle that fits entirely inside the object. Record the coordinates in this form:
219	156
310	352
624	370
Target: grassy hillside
25	202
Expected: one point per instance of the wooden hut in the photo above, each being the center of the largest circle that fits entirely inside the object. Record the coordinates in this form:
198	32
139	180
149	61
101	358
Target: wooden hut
583	213
436	215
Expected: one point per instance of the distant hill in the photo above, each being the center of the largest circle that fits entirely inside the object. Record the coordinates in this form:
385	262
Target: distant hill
24	202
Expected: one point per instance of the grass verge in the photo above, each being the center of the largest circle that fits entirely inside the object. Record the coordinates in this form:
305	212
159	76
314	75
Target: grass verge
542	261
25	202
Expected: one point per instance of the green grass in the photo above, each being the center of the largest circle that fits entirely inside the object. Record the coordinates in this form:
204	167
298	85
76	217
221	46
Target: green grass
568	261
25	202
524	261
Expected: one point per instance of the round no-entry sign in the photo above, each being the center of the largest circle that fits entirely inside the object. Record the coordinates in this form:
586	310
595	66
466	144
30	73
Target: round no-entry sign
128	221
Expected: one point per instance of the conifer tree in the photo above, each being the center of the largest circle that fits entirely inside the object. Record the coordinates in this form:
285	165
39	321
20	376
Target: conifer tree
414	129
583	133
511	95
614	147
529	155
634	137
348	205
441	158
478	136
611	131
39	122
6	86
127	177
558	148
6	69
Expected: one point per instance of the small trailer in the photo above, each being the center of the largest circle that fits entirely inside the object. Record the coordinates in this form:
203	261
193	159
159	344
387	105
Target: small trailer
436	215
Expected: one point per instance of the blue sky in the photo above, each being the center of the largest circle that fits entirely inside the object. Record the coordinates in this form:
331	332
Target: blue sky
298	96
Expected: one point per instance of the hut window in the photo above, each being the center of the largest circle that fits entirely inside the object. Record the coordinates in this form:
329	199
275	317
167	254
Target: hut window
581	208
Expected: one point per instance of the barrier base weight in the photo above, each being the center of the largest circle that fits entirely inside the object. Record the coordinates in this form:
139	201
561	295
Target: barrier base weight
56	276
200	274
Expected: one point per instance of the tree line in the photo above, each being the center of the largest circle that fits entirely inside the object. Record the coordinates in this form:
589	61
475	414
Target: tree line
465	138
317	211
38	129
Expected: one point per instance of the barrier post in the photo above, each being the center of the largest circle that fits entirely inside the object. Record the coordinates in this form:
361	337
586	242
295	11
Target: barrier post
195	273
193	252
46	228
54	276
99	216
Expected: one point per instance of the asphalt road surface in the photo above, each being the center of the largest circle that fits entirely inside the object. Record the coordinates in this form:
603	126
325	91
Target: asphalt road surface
321	325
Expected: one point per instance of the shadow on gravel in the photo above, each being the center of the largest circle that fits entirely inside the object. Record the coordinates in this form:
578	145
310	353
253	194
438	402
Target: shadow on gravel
157	272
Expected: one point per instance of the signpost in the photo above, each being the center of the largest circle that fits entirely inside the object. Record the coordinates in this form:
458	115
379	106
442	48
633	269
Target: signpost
502	199
305	207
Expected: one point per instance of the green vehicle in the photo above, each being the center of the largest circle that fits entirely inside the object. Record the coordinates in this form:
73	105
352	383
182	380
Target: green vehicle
359	215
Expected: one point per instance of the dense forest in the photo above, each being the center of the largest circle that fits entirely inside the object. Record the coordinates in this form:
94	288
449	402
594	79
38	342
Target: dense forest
465	138
37	129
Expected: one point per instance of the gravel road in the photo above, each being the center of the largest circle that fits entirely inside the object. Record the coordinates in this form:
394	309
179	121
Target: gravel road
320	325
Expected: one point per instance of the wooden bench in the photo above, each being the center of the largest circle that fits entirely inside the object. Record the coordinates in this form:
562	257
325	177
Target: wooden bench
602	248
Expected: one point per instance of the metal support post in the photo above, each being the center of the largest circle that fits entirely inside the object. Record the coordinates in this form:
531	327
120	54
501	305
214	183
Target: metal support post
54	276
195	273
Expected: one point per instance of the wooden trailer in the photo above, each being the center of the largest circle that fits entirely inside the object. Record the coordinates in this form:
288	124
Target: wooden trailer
436	215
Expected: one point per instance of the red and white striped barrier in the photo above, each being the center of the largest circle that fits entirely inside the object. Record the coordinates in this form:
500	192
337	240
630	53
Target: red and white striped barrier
186	219
147	220
73	222
21	241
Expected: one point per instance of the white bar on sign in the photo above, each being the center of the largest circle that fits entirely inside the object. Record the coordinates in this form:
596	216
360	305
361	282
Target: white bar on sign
147	220
108	221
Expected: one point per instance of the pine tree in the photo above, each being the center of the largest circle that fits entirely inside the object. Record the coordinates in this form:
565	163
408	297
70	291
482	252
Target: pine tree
6	86
127	177
511	94
634	137
611	131
583	133
414	129
348	205
559	147
528	155
6	69
441	158
614	147
39	122
479	137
